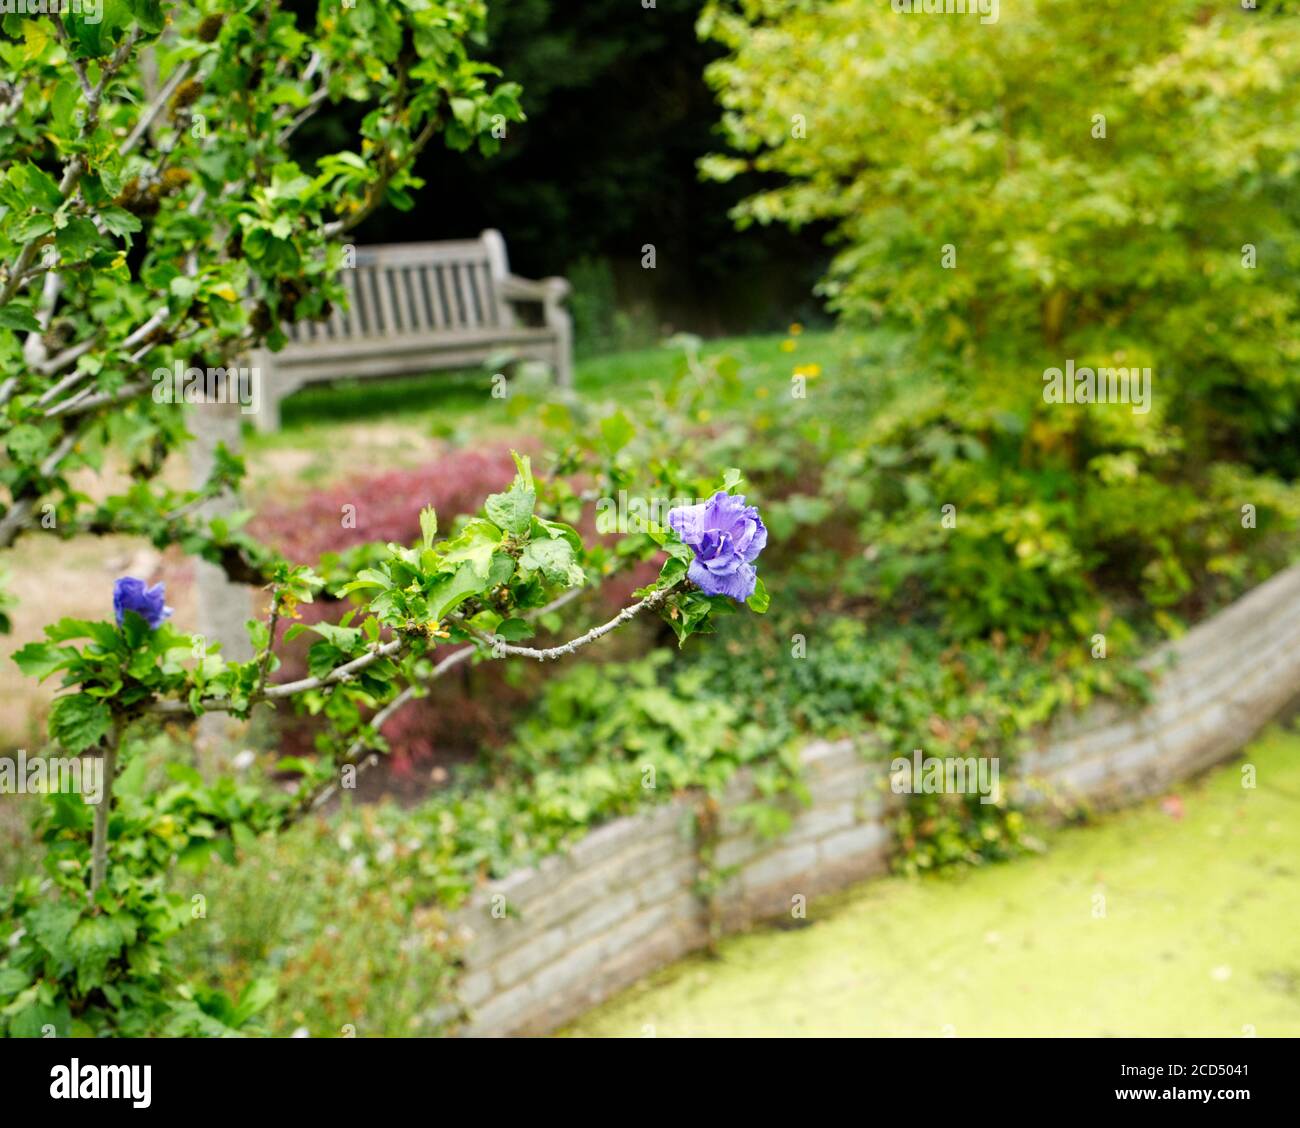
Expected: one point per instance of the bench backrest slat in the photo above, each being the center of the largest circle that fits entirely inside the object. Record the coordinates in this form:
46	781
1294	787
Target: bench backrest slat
416	288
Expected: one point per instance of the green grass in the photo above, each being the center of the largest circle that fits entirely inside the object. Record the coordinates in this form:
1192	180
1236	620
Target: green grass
1197	937
443	402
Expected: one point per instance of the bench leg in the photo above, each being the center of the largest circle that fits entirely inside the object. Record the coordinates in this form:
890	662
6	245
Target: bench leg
557	319
267	419
269	392
563	349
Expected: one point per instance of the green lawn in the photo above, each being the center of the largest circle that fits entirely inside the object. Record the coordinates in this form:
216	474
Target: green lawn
442	402
1198	937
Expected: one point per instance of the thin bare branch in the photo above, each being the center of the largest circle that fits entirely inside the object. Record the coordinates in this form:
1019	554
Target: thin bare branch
146	119
553	652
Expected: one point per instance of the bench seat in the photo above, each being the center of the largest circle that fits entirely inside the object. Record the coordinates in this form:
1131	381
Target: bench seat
417	307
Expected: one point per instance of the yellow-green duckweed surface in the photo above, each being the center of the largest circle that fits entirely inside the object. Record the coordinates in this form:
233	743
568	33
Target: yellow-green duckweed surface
1181	917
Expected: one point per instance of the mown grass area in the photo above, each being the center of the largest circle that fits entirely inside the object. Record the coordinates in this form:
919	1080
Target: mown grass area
1177	918
441	403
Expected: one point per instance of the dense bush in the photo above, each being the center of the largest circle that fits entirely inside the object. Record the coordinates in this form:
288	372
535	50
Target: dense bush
1098	207
1130	204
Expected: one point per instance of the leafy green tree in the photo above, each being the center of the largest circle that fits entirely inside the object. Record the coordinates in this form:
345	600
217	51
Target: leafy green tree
1107	184
152	215
1112	182
618	113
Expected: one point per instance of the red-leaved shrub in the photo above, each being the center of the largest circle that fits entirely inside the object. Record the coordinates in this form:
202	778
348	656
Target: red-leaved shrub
383	507
464	712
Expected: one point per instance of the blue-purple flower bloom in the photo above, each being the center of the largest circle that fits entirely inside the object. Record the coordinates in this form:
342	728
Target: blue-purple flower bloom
726	536
130	594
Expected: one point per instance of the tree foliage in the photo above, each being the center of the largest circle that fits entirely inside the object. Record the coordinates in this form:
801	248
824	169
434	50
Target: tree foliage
1109	182
153	215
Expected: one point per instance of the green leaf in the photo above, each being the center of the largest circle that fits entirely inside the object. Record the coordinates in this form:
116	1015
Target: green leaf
31	1021
40	188
12	980
731	478
77	239
32	227
617	430
486	621
95	32
554	559
428	525
79	722
558	529
17	316
500	571
120	221
515	630
759	601
475	544
27	443
347	639
41	659
450	591
366	578
513	510
49	925
254	999
322	658
673	572
65	629
149	15
92	942
464	110
688	613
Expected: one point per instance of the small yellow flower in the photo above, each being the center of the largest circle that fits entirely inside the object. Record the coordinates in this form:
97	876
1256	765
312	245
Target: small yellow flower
796	329
787	345
811	371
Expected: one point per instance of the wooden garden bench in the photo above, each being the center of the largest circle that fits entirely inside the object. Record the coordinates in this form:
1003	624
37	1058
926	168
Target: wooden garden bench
415	307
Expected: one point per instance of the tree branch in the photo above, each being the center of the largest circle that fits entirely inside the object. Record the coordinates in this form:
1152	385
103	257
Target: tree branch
361	755
553	652
146	119
99	841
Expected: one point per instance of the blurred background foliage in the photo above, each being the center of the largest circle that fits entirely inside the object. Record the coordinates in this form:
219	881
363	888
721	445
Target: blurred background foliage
618	114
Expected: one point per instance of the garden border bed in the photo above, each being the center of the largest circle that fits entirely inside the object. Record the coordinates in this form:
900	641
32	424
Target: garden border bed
544	944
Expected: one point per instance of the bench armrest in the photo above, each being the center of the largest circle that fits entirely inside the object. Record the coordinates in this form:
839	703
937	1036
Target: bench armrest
548	290
550	294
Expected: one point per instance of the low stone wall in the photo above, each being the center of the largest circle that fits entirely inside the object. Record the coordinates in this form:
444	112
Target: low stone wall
545	944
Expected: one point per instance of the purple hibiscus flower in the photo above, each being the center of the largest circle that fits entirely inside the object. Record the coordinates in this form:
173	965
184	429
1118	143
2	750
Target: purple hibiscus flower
726	536
130	594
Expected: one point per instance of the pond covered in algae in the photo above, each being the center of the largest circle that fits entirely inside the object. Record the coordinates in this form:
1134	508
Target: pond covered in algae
1180	917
